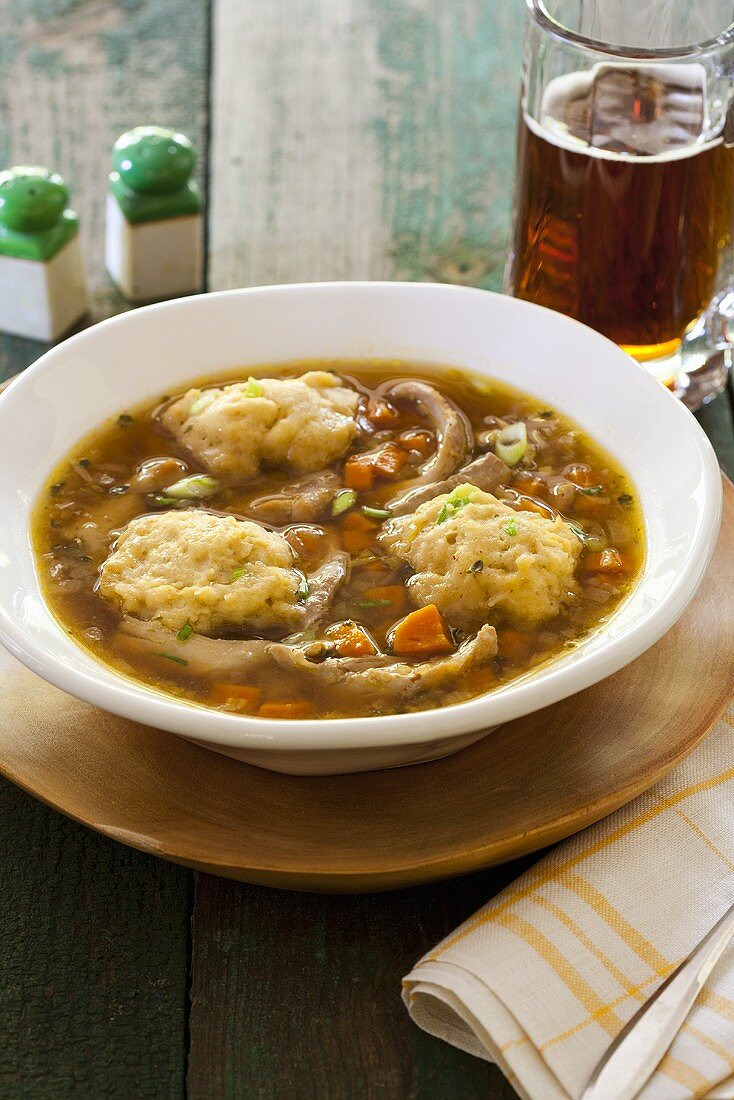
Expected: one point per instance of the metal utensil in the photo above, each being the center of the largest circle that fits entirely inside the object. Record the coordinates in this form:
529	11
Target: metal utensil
636	1052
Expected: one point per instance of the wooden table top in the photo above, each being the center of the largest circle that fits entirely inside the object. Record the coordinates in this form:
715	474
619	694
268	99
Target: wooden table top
339	139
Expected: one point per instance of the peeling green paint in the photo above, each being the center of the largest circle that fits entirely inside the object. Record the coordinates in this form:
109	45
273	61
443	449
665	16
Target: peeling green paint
446	130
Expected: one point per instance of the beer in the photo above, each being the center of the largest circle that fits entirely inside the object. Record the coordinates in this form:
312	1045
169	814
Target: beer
622	213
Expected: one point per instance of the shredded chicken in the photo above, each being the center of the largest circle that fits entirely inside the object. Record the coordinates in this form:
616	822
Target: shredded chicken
452	428
322	588
299	502
486	472
357	675
365	675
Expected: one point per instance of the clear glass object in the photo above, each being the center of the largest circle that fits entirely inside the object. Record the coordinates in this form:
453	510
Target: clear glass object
624	200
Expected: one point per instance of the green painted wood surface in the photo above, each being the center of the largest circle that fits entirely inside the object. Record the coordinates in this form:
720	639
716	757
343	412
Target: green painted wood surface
93	936
298	995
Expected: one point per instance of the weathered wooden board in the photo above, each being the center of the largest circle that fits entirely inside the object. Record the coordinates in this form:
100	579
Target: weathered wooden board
93	936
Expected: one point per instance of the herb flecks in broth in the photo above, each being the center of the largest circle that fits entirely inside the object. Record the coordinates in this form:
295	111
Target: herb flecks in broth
336	539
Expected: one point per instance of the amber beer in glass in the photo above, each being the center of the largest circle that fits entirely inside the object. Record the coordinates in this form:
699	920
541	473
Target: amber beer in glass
625	176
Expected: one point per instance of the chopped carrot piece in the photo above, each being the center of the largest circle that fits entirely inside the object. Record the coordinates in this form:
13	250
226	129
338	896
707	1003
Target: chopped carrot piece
527	504
418	440
382	414
582	475
358	472
297	708
608	561
478	680
358	532
352	640
239	696
421	632
513	645
528	482
395	593
358	521
389	460
306	542
590	506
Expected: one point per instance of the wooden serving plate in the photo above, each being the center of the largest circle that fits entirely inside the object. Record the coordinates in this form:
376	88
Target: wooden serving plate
528	784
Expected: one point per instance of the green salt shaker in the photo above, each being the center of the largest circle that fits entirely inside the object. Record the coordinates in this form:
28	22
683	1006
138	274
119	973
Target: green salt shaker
153	216
42	285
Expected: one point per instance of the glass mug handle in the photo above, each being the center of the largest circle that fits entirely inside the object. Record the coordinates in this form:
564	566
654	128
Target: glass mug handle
707	351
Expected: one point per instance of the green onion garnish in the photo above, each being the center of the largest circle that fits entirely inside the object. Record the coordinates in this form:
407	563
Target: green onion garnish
254	388
373	603
303	590
511	443
376	513
343	501
171	657
237	573
511	527
185	632
458	499
195	487
591	490
625	500
202	402
477	567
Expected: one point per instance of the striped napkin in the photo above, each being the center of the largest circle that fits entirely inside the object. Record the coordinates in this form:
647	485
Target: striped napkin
544	977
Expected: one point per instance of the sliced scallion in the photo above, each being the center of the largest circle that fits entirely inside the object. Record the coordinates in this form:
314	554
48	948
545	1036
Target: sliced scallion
376	513
202	402
172	657
460	497
511	527
185	632
343	501
195	487
253	388
511	443
303	590
237	573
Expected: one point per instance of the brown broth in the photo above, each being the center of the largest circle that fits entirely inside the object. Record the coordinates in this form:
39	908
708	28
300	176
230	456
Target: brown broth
88	498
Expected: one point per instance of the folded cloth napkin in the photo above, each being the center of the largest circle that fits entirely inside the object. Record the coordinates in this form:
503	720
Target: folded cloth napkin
544	977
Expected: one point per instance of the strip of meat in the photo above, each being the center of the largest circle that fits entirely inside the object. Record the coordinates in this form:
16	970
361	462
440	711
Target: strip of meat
220	657
322	587
227	659
383	675
486	472
452	428
301	502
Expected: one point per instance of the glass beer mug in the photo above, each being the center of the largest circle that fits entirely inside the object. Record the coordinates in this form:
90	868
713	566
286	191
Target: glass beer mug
625	179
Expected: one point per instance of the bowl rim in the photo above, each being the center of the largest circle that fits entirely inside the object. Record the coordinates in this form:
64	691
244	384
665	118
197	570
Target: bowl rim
139	702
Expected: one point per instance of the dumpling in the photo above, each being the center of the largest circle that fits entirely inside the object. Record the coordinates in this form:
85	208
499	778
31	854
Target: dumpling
301	424
479	560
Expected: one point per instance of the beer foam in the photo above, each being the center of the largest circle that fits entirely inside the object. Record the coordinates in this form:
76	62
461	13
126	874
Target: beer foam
651	113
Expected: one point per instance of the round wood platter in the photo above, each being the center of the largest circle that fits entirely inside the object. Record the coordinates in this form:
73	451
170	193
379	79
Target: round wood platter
526	785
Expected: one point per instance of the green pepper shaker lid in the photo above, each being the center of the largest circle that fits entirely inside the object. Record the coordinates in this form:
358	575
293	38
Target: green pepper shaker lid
151	177
34	220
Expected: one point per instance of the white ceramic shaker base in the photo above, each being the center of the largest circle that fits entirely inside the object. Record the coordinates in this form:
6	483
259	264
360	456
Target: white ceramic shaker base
153	260
42	299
